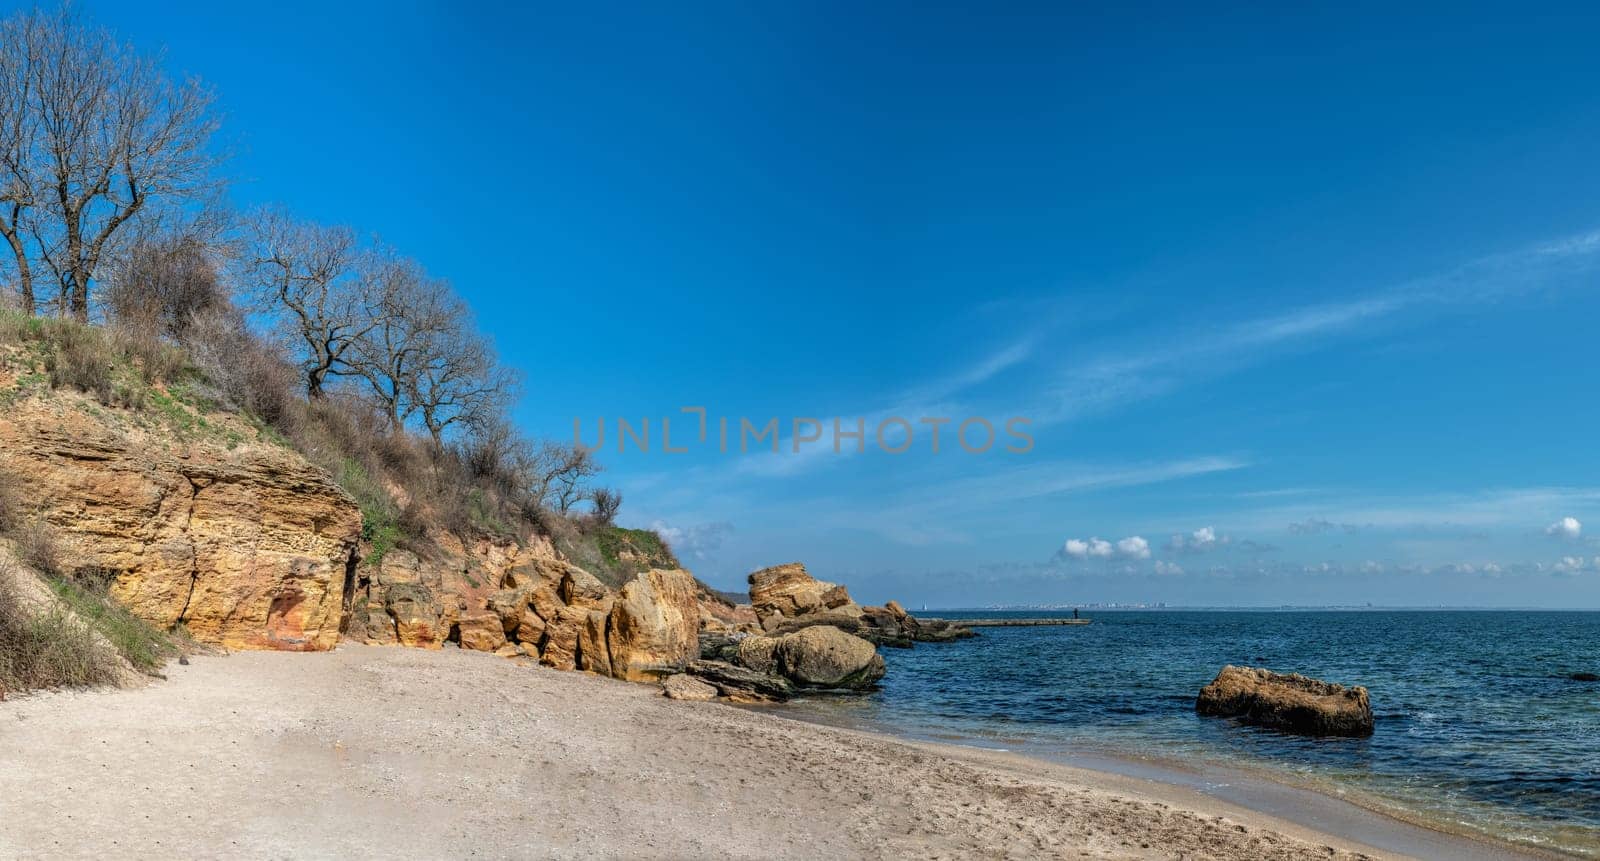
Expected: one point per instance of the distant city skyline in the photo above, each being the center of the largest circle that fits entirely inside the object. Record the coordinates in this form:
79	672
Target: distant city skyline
1300	307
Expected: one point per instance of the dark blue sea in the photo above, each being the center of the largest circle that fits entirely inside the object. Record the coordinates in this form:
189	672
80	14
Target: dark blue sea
1479	724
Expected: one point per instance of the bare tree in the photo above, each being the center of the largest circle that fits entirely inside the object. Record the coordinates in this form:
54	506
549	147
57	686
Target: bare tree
19	125
558	475
414	317
462	382
106	133
606	504
305	277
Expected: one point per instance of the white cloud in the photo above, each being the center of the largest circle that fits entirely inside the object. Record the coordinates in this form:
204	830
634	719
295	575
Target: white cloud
1567	527
1168	567
1574	564
697	541
1202	539
1134	547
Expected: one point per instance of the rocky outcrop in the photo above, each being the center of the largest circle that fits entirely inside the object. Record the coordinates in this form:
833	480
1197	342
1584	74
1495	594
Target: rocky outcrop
762	668
680	686
244	543
786	598
789	591
825	657
1292	703
654	625
740	684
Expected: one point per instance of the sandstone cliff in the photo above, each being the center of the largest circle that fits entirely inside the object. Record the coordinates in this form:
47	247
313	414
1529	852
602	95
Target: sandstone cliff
240	541
197	520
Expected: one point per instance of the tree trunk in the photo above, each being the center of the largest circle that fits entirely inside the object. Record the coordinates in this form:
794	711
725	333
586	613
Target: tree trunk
80	299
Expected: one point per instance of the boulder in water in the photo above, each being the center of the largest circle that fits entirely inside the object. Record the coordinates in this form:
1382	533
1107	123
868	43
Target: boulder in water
1292	703
827	657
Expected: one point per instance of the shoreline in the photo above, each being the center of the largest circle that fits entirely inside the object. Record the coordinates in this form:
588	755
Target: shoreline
1322	808
370	750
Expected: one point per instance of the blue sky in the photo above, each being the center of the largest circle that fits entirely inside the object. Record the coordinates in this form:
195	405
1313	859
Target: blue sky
1301	304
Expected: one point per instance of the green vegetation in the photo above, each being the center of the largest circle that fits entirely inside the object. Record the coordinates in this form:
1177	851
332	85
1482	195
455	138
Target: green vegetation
612	553
380	522
48	649
51	644
146	648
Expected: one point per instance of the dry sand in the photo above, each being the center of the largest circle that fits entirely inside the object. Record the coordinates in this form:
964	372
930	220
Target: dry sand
367	752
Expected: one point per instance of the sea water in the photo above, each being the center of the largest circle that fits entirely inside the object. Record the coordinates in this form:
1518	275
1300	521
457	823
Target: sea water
1479	723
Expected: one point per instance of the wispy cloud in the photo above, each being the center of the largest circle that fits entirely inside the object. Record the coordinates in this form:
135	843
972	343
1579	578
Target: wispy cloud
934	511
1181	357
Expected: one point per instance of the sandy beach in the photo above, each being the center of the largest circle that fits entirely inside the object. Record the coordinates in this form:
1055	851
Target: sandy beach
368	752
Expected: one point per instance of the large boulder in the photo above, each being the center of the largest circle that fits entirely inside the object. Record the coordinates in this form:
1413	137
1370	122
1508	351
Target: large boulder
826	657
654	625
481	631
509	605
1293	703
786	598
562	631
816	657
418	616
787	591
758	653
594	653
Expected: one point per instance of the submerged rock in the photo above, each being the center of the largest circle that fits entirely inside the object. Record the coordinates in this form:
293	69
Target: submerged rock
1293	703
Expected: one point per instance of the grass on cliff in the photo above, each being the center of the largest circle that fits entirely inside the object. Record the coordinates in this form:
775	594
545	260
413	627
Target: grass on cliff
46	648
62	643
117	368
136	640
614	554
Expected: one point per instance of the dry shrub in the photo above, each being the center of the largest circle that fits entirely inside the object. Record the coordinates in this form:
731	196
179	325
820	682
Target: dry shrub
80	358
240	369
159	286
10	507
38	547
47	648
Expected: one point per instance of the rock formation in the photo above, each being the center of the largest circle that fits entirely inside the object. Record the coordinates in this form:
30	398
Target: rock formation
654	625
787	598
245	544
680	686
1293	703
758	668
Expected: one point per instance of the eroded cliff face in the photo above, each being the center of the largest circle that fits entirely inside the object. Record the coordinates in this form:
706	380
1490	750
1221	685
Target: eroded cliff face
241	541
523	601
200	522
